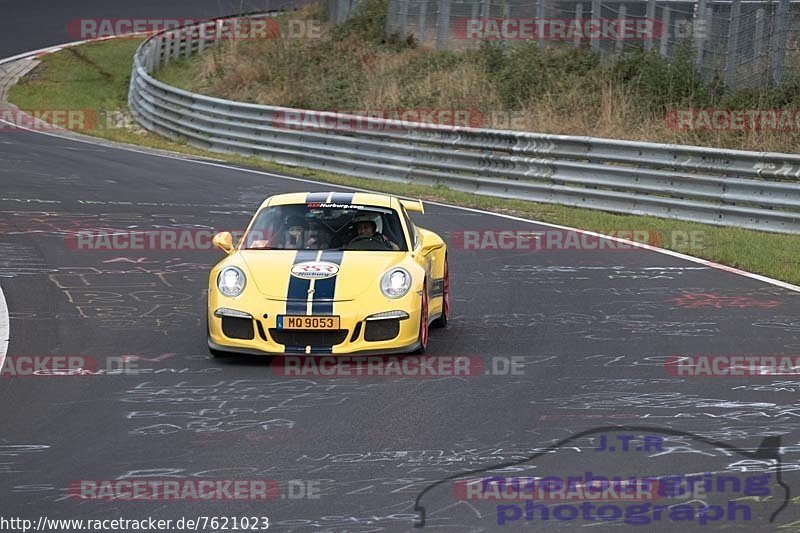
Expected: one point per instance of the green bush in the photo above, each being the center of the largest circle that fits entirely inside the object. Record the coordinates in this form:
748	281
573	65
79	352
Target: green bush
524	72
367	23
786	95
661	83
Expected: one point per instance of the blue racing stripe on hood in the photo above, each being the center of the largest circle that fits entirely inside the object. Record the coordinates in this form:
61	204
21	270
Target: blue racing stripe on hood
325	289
297	294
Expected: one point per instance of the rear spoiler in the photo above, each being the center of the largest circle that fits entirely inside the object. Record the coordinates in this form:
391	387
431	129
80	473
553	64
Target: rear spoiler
413	205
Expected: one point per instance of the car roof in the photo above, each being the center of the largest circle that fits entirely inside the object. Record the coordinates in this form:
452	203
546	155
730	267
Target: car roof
358	198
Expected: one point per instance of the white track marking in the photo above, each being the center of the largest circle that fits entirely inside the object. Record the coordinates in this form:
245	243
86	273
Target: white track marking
5	329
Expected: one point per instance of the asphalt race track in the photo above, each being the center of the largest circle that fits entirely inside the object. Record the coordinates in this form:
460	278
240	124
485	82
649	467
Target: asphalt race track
589	332
27	26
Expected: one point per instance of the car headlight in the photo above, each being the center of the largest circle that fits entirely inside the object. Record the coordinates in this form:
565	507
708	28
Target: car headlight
396	283
231	281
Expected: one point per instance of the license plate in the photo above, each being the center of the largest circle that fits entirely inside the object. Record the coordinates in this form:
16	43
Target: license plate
308	322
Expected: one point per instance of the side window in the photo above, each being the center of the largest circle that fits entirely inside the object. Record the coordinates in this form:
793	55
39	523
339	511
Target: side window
412	230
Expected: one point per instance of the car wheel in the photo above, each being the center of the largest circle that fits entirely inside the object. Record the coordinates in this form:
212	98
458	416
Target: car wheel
441	322
423	322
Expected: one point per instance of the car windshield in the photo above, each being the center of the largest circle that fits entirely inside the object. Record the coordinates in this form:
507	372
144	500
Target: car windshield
313	226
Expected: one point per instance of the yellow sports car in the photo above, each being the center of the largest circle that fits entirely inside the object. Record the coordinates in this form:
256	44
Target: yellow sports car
329	273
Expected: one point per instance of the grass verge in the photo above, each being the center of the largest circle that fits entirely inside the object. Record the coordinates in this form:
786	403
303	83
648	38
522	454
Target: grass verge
96	75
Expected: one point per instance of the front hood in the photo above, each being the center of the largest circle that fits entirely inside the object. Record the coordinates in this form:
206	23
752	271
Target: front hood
358	272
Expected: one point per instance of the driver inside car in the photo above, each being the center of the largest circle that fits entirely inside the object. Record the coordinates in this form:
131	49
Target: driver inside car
366	229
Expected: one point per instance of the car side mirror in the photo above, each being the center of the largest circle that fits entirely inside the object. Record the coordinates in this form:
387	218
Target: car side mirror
223	241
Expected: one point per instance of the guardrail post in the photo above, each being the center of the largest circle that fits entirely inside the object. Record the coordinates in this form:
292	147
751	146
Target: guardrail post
201	38
177	38
190	38
169	49
733	43
153	57
163	50
220	32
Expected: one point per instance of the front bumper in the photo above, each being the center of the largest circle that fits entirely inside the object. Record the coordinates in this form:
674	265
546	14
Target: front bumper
258	334
252	351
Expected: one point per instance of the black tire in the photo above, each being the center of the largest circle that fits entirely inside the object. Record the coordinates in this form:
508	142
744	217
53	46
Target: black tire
441	322
423	323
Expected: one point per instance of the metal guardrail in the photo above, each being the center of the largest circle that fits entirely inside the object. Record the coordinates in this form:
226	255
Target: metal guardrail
756	190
